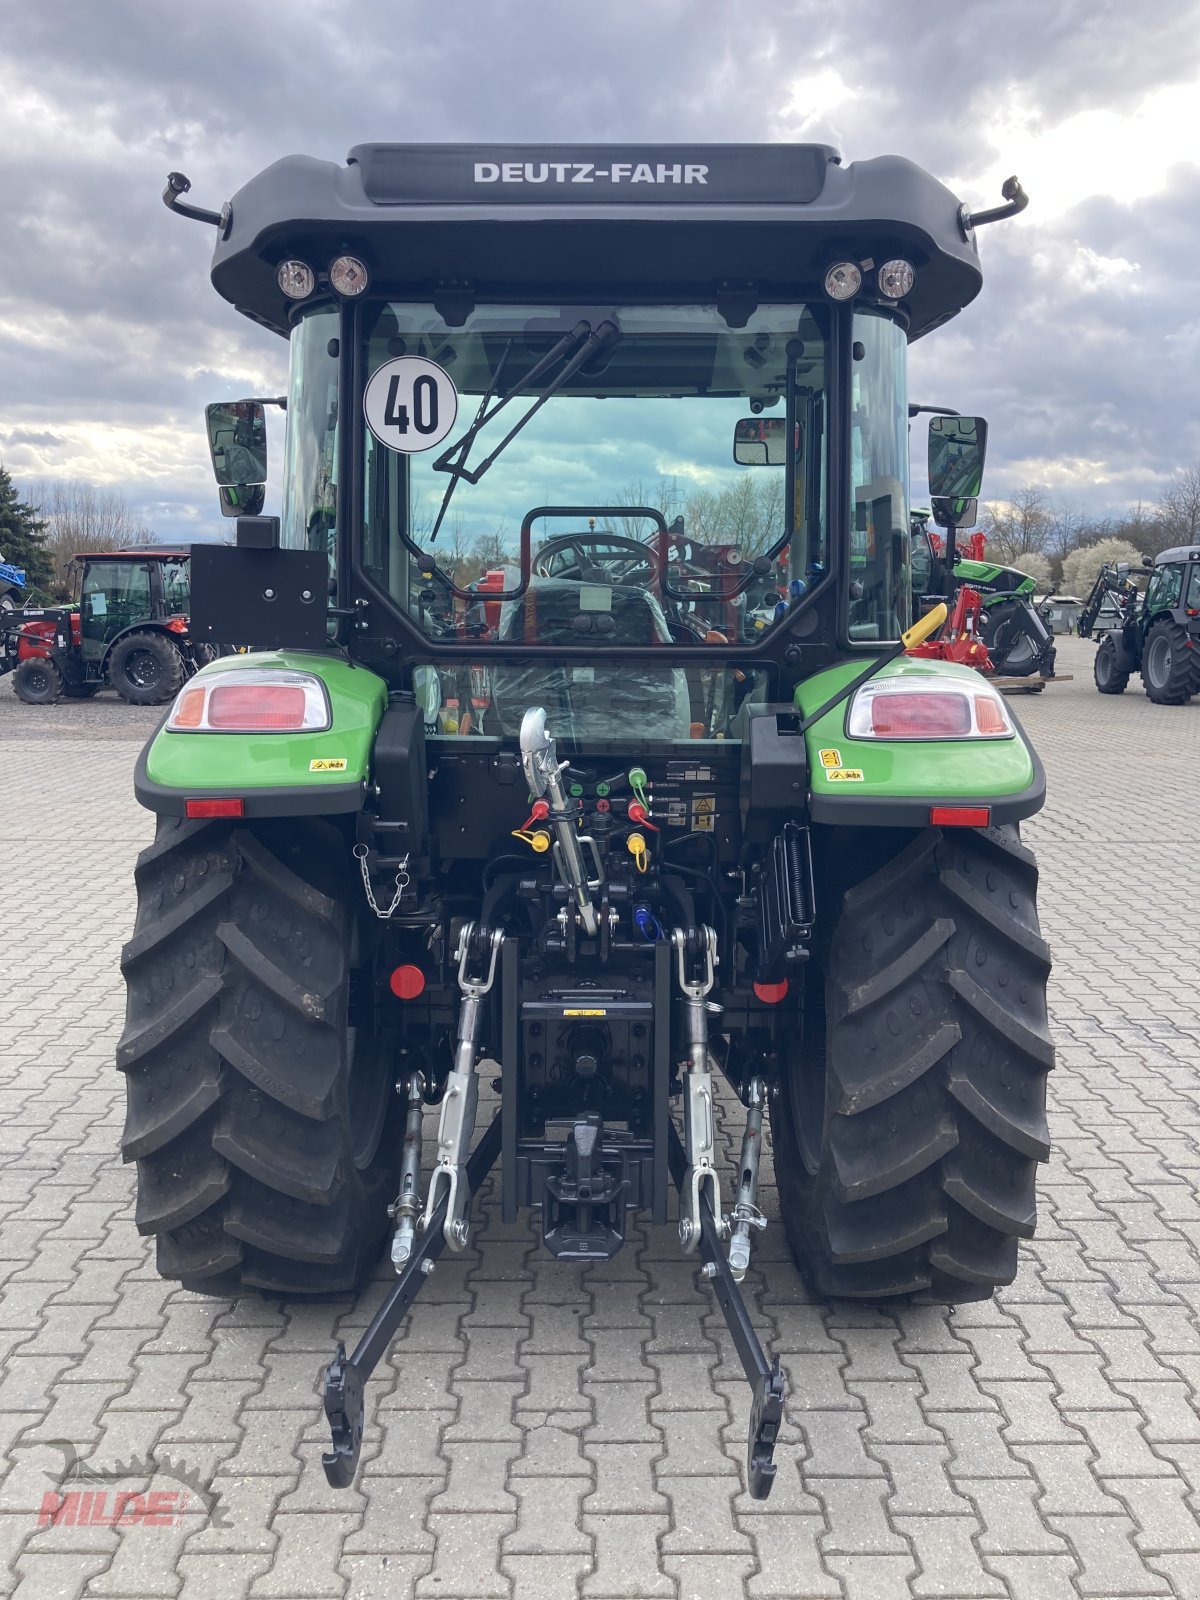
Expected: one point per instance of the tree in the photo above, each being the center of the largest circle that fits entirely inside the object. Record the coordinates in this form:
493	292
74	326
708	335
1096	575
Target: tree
1018	525
1039	567
82	519
1082	566
491	550
1178	510
23	536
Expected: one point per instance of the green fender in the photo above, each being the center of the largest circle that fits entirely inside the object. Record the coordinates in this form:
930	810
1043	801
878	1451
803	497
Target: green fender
894	783
275	774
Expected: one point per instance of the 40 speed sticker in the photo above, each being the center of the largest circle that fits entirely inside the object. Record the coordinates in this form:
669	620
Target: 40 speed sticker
410	404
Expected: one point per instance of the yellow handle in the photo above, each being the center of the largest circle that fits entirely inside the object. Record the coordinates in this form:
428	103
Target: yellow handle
929	623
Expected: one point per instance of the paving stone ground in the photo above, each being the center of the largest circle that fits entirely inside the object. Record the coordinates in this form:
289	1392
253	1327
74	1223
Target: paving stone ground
545	1431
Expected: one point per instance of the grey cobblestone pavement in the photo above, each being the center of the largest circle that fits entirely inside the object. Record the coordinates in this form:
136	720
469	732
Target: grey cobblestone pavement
544	1431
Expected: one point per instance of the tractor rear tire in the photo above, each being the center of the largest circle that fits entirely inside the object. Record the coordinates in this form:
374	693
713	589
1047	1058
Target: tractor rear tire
1168	664
1110	677
146	669
38	682
911	1111
260	1101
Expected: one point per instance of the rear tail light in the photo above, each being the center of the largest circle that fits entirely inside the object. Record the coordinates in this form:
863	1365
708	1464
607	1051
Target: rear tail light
256	705
252	700
920	716
916	706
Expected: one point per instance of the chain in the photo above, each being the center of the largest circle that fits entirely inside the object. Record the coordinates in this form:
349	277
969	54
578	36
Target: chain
402	882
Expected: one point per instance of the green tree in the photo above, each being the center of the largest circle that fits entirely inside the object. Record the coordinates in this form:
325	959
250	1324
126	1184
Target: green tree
23	536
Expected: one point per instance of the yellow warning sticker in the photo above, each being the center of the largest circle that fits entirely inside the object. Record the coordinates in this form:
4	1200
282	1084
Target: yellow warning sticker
703	804
328	764
830	758
845	775
596	1012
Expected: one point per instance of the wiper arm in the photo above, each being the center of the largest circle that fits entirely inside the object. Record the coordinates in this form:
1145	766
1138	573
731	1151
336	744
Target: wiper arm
578	346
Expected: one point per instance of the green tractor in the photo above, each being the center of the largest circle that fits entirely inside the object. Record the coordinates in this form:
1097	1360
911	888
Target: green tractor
643	805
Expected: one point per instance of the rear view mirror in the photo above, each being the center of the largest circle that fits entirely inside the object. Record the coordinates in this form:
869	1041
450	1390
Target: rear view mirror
950	513
761	441
237	441
243	499
957	446
1148	562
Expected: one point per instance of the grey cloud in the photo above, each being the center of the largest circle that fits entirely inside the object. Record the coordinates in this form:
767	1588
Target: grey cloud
135	89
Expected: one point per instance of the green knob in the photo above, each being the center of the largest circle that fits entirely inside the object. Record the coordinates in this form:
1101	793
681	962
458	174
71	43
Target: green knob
637	778
602	790
576	790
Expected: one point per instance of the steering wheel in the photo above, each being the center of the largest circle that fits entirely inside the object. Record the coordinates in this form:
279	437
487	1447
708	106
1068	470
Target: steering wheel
637	565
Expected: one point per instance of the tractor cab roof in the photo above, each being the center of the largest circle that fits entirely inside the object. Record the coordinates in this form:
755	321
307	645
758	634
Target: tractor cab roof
453	223
1183	552
132	555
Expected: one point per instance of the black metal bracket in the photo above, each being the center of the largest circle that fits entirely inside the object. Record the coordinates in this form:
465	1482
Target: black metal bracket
345	1376
177	186
765	1379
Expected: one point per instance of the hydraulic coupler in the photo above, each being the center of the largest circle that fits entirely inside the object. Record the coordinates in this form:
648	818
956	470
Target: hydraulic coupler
478	949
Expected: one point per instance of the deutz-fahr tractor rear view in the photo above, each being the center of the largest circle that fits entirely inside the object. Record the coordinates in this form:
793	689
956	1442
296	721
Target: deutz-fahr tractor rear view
646	806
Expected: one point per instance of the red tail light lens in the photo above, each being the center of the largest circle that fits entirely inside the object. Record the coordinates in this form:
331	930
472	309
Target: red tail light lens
920	716
250	706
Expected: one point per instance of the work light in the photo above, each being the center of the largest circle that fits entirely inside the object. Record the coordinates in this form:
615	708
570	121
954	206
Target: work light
842	280
348	276
895	279
296	279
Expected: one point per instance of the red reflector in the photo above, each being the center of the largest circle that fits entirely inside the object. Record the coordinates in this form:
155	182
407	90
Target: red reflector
960	816
407	983
917	716
771	993
256	705
215	808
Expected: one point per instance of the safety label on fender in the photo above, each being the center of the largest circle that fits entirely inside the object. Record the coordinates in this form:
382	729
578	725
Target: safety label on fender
328	764
845	775
410	404
830	758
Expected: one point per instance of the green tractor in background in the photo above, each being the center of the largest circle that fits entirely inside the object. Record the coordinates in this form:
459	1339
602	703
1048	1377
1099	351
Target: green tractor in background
632	811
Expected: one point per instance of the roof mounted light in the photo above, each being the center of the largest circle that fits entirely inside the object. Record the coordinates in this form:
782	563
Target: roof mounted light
296	279
843	280
895	279
348	276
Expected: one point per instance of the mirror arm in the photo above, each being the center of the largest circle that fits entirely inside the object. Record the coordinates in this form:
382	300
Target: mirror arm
177	186
1017	201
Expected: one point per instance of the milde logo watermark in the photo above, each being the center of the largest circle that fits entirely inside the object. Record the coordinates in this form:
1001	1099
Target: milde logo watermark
104	1497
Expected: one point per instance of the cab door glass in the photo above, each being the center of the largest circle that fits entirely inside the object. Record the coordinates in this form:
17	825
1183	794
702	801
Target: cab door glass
1193	589
115	595
1165	588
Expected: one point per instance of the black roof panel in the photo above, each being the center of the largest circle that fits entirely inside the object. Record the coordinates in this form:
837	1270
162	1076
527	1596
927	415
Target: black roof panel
656	221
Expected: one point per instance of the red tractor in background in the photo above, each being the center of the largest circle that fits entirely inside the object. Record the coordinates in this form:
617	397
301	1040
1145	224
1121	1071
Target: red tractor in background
127	627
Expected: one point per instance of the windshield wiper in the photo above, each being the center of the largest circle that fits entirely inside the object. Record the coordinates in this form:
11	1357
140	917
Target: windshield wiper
577	347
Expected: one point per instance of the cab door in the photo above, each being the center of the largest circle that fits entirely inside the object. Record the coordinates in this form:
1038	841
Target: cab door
114	595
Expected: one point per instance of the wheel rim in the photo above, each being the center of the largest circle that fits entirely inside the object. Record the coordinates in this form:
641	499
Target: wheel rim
143	669
37	681
1158	661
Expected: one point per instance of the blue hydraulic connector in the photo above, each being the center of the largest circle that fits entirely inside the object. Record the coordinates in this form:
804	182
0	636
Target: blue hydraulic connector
647	923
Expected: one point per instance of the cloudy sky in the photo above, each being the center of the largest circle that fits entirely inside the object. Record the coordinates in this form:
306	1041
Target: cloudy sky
1083	349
